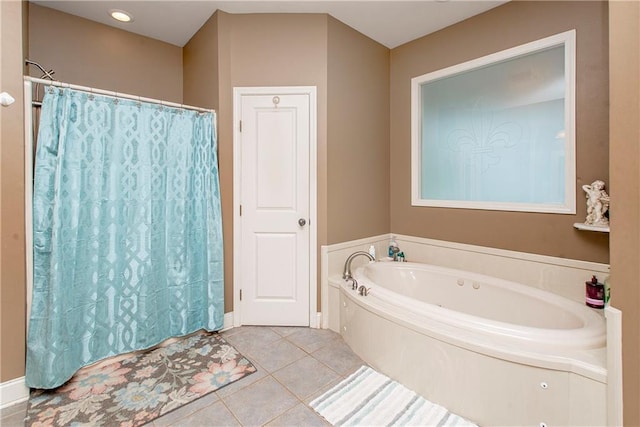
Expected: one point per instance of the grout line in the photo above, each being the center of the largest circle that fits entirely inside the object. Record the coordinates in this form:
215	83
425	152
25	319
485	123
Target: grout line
256	365
303	399
327	366
285	387
230	411
292	393
325	344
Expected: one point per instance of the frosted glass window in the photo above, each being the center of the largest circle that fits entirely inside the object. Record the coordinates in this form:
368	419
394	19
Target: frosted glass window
497	133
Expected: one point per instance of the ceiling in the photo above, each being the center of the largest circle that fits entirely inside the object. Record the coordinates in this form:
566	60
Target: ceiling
389	22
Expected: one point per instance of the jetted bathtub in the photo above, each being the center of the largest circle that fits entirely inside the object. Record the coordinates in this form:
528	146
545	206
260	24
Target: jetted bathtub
494	351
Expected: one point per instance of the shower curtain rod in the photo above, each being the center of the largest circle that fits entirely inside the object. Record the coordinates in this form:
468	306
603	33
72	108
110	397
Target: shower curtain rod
48	74
114	95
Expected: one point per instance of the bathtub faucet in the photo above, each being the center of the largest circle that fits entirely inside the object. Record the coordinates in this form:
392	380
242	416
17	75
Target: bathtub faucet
346	274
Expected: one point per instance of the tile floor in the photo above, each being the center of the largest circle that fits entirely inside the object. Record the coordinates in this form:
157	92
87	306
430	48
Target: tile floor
295	365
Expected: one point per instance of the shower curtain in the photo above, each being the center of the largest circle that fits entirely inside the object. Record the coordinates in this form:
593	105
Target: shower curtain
127	231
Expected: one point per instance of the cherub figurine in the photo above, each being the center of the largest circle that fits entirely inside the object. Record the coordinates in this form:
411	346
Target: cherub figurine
597	203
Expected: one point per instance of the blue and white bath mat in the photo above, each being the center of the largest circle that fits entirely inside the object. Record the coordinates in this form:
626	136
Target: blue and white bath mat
368	398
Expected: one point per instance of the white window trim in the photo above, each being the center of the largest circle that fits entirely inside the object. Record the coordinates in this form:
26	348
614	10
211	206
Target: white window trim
568	39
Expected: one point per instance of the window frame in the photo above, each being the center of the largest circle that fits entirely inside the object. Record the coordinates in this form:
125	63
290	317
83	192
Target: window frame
566	39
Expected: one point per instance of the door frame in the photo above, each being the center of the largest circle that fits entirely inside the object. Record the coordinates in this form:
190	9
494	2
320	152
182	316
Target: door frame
238	93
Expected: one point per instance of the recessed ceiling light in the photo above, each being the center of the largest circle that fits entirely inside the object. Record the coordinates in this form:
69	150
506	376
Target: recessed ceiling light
120	15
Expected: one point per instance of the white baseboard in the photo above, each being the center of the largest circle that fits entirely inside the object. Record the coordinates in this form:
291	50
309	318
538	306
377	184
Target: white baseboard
12	392
315	322
228	321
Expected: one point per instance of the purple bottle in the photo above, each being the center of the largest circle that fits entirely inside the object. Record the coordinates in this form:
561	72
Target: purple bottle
594	293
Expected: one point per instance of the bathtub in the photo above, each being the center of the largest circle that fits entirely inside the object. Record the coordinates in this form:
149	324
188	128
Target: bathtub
494	351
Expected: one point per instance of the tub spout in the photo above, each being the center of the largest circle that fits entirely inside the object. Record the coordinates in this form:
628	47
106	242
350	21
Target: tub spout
346	274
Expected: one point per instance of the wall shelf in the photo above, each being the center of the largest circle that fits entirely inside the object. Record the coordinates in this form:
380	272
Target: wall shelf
587	227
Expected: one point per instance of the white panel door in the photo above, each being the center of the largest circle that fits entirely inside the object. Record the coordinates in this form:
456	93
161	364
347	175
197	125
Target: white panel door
275	143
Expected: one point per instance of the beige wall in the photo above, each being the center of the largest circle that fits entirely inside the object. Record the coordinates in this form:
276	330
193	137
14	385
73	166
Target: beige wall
270	50
200	67
81	52
12	261
90	54
201	87
357	135
303	50
624	164
206	65
509	25
256	50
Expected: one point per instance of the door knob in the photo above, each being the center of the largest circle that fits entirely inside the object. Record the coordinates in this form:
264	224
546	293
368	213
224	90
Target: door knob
302	222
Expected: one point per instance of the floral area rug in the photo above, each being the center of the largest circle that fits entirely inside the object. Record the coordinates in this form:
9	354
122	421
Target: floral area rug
136	390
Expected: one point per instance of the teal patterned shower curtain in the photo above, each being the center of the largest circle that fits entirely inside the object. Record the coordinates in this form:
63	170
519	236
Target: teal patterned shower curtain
127	231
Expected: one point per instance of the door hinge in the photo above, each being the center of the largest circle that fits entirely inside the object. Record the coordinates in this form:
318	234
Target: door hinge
240	125
240	210
240	294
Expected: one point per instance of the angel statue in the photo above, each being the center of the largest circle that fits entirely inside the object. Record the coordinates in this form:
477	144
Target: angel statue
597	203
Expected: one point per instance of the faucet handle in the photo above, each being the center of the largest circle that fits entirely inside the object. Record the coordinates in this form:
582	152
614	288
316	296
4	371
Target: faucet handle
364	291
395	251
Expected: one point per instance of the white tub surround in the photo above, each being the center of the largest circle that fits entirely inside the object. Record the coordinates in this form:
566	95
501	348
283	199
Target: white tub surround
614	366
564	277
332	262
496	350
561	276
